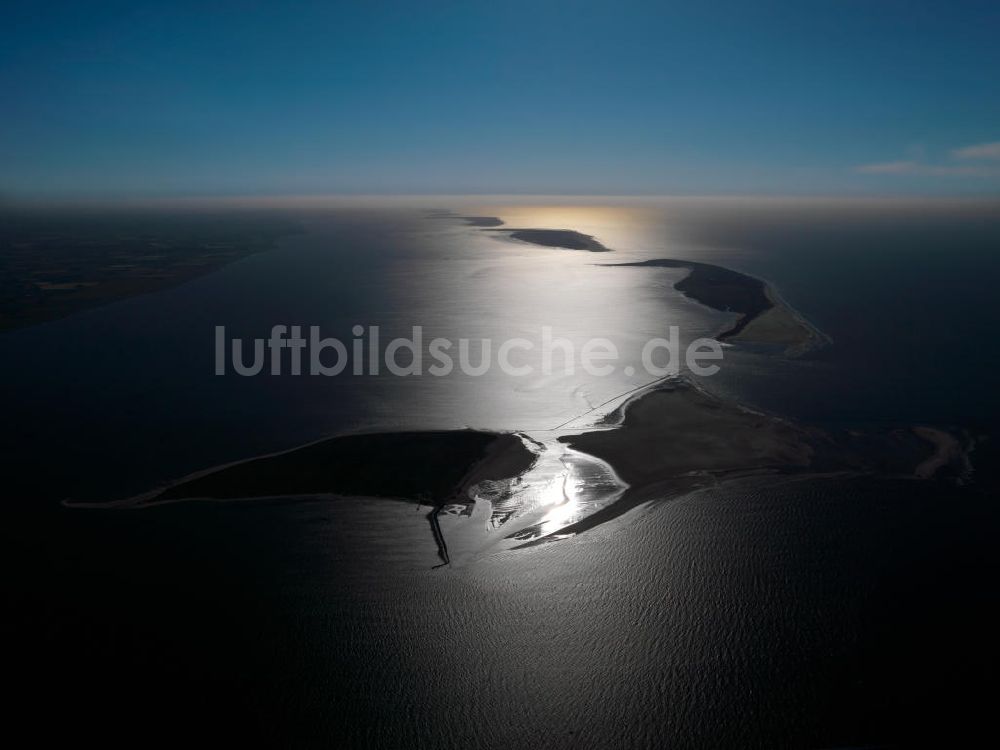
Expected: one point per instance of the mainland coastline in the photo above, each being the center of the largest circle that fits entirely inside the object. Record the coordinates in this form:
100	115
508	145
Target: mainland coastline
50	272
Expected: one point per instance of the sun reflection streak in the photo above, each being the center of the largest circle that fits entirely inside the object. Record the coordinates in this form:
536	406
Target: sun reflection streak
561	497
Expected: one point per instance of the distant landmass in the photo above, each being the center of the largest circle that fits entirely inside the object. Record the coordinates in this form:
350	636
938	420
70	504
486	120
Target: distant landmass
53	266
562	238
567	239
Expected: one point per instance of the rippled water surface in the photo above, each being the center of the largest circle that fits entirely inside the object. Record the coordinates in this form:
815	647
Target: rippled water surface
763	614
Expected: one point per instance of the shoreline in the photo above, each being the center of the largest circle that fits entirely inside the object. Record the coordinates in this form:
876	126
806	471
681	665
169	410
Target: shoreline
765	318
671	440
811	338
435	466
154	257
662	442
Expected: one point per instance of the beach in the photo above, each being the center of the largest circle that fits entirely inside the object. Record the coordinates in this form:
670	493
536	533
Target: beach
764	318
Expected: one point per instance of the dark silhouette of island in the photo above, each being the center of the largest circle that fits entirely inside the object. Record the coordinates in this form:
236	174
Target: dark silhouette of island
566	239
436	469
482	221
664	442
431	468
719	288
475	221
764	318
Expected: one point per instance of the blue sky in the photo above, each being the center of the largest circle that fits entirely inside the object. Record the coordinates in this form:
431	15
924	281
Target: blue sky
177	98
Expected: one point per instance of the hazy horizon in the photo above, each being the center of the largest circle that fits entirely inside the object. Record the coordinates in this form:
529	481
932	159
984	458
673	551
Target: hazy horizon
425	200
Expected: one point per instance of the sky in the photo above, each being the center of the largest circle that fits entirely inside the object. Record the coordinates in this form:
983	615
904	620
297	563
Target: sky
590	97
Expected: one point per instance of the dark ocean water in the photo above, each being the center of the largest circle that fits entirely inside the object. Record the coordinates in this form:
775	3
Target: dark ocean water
816	614
800	614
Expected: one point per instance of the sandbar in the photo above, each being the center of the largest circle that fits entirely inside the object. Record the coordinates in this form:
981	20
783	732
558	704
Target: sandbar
764	318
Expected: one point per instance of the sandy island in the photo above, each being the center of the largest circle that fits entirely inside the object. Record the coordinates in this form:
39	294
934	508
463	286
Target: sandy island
677	438
764	318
